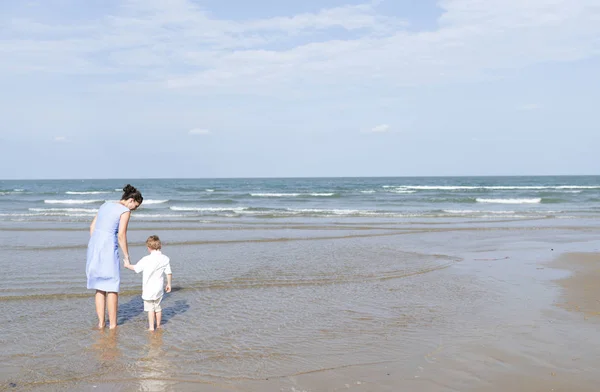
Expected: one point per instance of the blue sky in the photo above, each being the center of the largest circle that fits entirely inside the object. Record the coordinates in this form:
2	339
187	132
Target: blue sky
192	88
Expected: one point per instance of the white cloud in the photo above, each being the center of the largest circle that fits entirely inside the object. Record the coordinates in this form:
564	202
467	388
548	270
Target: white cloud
349	17
381	128
177	45
198	131
60	139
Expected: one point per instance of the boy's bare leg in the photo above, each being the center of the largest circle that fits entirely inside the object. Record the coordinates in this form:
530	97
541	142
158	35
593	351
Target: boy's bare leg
100	307
112	301
151	320
158	318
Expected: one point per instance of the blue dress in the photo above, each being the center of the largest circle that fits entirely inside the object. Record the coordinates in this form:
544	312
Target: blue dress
103	263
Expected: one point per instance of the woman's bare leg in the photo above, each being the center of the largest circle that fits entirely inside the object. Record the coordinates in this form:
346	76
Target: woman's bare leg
100	307
113	306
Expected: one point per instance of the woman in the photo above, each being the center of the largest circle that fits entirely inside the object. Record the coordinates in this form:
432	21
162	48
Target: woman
108	231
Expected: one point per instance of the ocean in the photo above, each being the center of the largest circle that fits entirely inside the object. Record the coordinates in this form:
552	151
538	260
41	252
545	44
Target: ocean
318	199
300	284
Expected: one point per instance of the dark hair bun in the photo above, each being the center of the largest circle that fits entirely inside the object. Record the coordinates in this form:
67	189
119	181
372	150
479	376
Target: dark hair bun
128	189
130	192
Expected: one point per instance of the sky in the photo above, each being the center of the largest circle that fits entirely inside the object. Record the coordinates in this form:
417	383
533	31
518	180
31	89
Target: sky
236	88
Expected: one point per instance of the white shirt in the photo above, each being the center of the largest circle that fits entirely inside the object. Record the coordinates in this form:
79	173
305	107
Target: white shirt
155	266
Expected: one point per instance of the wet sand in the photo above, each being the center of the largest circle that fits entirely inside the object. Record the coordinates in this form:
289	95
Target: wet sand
491	307
582	287
557	352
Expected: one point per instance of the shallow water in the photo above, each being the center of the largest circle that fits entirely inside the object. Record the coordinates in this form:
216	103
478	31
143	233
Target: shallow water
253	302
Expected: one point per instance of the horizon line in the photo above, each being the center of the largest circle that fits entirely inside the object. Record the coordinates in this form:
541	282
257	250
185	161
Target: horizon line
294	177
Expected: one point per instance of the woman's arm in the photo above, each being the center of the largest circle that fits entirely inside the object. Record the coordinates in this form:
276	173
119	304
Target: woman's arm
93	225
123	236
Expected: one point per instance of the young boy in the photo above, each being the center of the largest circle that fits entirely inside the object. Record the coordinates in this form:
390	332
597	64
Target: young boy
154	267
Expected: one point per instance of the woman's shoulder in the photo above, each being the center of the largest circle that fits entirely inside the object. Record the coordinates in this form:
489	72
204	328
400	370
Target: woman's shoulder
114	205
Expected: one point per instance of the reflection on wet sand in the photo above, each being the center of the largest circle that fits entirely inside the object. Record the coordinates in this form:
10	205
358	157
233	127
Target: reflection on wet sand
153	366
106	347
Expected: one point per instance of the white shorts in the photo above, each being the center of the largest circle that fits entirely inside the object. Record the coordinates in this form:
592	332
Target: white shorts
152	305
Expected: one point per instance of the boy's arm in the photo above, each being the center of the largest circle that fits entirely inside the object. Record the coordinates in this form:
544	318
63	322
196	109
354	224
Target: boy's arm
168	288
169	275
137	268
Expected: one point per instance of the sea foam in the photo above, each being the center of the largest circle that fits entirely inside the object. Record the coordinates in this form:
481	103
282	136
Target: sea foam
86	192
275	194
73	201
510	201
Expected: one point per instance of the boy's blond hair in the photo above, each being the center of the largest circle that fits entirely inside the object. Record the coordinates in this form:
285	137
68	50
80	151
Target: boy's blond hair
153	242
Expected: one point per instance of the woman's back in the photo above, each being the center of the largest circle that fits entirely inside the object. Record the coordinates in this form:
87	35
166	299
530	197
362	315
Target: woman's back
109	216
102	265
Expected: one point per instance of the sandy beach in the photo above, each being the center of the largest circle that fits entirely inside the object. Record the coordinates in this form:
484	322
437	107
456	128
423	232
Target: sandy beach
581	288
471	307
